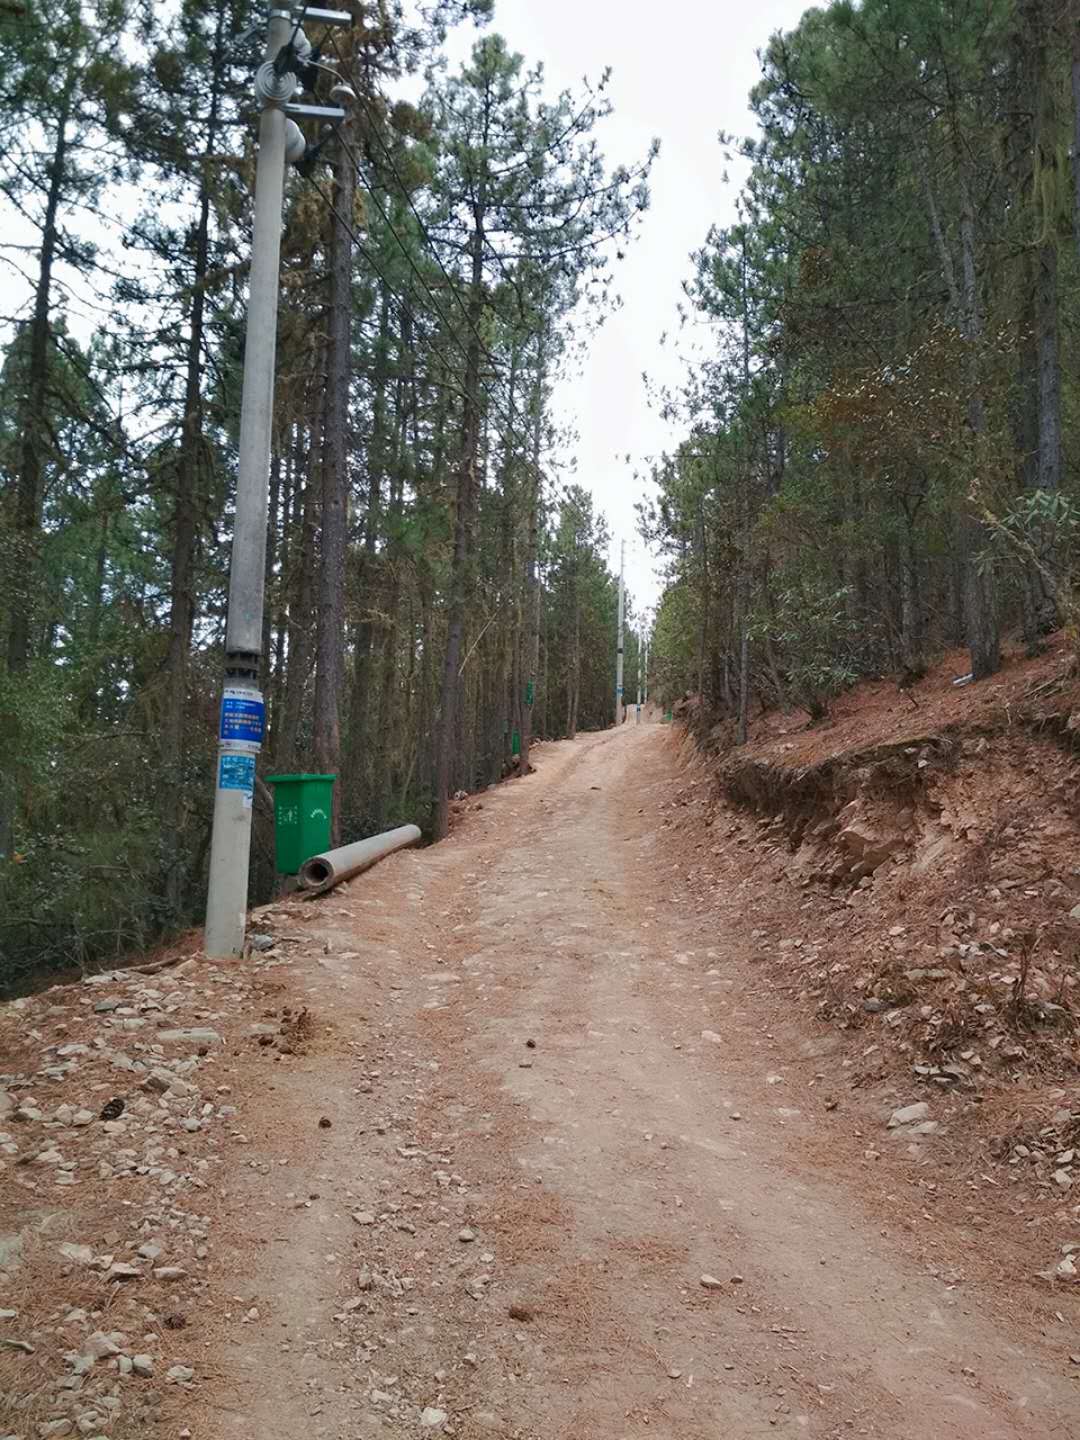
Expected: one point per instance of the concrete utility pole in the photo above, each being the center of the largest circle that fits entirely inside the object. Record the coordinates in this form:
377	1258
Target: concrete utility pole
242	708
619	643
646	686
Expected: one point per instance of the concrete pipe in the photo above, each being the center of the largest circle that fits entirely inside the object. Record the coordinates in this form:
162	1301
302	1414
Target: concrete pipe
323	872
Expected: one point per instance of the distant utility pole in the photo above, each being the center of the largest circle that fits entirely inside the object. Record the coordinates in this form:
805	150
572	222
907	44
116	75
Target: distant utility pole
646	667
619	643
242	709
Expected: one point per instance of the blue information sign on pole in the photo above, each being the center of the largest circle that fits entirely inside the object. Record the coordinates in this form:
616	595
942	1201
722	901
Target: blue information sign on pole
243	718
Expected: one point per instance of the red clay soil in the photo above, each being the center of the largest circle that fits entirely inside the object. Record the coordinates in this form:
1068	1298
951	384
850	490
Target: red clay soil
877	713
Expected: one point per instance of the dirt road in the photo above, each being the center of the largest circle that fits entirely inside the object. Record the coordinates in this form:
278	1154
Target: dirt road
564	1190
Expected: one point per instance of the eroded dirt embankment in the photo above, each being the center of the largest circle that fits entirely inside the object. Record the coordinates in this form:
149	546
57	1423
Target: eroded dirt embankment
927	859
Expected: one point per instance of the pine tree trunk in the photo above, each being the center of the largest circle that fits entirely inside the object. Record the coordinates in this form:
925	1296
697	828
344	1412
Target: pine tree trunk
185	526
948	270
1040	609
273	533
515	705
743	729
979	589
382	741
22	582
29	496
705	626
291	519
449	697
542	728
360	710
575	660
741	627
531	640
93	628
330	663
506	581
301	607
911	644
425	742
1046	321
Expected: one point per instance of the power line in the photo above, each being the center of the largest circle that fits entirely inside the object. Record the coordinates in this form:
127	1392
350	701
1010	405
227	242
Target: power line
563	499
287	51
405	249
560	497
432	249
430	244
501	412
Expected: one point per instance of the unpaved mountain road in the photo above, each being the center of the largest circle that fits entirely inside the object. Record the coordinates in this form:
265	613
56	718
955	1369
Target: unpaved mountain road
498	1239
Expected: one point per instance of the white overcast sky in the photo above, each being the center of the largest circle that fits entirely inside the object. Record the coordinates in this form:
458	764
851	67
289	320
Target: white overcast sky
682	71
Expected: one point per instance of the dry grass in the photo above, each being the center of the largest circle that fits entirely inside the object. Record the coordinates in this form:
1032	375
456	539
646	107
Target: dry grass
34	1287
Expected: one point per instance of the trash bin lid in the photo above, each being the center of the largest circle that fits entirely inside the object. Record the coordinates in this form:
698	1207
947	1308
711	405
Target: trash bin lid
287	779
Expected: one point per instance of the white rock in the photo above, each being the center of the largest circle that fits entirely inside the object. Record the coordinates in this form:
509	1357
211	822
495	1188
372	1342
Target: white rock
1063	1180
121	1271
712	1037
100	1346
190	1037
909	1115
710	1282
143	1365
79	1254
433	1419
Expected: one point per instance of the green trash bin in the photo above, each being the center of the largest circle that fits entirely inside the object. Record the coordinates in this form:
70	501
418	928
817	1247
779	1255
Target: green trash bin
303	806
